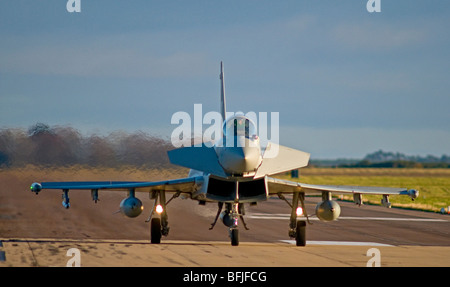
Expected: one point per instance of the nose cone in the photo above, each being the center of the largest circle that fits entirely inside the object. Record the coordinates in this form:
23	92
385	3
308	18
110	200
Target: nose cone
240	159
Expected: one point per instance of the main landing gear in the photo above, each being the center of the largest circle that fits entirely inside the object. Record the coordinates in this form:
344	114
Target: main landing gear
159	223
297	229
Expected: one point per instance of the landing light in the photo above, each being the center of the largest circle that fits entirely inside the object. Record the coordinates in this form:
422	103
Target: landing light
159	209
299	211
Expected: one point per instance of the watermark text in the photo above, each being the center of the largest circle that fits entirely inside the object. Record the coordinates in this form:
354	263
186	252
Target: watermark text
373	6
375	260
73	6
191	132
75	260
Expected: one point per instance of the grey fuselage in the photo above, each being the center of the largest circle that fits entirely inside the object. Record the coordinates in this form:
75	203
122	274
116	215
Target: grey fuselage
239	149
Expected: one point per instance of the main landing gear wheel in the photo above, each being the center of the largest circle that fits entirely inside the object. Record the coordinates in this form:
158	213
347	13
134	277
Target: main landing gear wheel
234	234
155	231
300	236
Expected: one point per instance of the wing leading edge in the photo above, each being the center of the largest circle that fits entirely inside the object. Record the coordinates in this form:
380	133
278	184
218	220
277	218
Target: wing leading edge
285	186
187	185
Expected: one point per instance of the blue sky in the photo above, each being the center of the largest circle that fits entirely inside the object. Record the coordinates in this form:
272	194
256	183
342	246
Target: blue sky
345	82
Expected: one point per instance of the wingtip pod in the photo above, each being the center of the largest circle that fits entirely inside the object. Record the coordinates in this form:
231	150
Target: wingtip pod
36	187
413	193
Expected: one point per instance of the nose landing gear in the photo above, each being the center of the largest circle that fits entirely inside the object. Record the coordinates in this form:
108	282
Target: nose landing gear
233	224
230	218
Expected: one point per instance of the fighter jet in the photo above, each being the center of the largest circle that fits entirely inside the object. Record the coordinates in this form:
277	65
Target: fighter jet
234	171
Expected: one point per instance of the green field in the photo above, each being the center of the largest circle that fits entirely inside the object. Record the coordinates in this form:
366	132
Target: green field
433	184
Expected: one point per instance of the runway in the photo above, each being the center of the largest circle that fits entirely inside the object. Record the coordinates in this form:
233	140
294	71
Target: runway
180	253
38	231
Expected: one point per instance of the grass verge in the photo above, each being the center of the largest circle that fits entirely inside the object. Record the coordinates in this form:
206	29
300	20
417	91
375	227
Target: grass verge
433	184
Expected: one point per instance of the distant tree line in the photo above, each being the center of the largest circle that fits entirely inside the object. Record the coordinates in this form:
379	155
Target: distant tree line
398	160
397	164
383	156
63	146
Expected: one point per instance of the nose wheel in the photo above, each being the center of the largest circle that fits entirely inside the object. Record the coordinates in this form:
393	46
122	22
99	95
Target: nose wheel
235	211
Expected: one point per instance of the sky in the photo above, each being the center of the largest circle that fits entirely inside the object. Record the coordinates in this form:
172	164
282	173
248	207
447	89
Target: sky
344	81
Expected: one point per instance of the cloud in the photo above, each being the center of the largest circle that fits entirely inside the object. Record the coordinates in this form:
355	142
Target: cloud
189	52
122	56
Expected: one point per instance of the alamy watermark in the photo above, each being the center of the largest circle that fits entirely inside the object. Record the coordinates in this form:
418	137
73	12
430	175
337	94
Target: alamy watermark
75	260
252	125
73	6
373	253
375	260
373	6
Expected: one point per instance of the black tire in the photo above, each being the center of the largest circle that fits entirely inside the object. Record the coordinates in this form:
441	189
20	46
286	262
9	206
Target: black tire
300	236
155	231
234	237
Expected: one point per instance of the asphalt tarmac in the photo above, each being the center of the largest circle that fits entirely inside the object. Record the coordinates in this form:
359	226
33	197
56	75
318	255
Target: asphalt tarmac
38	231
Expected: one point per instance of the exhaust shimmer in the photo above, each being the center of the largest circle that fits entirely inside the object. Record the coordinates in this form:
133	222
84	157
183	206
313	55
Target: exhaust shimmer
60	146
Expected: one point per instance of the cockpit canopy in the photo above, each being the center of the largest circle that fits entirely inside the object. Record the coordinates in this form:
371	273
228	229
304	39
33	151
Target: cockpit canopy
239	126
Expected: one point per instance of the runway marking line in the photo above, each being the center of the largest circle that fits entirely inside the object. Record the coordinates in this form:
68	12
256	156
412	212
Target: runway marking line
286	216
340	243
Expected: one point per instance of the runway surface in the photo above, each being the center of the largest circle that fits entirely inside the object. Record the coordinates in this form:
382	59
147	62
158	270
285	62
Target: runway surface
38	231
180	253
